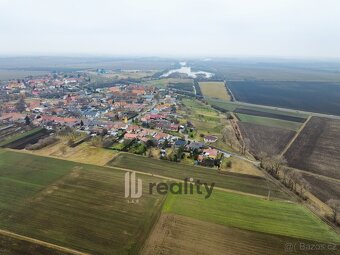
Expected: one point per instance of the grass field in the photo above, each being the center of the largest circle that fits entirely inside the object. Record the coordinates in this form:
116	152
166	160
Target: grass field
176	234
16	137
83	153
241	166
269	115
214	90
255	214
206	120
164	82
73	205
18	74
231	106
290	125
12	246
237	182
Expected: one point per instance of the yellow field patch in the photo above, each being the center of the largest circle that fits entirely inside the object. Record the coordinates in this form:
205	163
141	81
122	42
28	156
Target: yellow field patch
214	90
83	153
241	166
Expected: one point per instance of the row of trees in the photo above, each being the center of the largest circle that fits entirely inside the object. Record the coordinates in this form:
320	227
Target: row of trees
230	139
276	166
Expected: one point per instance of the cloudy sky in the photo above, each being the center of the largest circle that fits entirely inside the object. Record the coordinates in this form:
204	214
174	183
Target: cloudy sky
287	28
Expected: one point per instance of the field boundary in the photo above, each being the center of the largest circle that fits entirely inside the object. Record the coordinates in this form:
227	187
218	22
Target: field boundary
295	136
144	173
299	201
42	243
314	174
182	181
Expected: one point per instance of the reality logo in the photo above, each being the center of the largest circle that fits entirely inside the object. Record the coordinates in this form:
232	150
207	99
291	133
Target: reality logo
133	187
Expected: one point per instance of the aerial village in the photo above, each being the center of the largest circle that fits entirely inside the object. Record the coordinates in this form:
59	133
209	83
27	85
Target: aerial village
135	118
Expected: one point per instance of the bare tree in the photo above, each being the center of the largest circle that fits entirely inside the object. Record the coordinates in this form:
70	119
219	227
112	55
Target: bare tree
335	206
228	137
278	162
262	156
20	105
295	178
304	187
285	176
245	145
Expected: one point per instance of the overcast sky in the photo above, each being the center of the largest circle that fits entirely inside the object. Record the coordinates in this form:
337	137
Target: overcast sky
287	28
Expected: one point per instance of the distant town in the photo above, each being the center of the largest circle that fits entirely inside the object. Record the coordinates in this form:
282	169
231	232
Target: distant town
137	118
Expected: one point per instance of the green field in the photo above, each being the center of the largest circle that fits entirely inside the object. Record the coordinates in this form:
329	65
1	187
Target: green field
73	205
231	106
12	246
206	120
200	111
214	90
255	214
269	121
20	136
164	82
18	74
238	182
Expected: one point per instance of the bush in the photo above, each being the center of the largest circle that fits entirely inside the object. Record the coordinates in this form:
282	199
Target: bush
108	142
42	143
70	142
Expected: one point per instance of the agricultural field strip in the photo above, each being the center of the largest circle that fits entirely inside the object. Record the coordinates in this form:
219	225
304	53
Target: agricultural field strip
182	181
315	174
214	90
174	179
36	216
144	173
294	95
42	243
254	214
282	110
287	110
17	137
311	209
295	136
269	115
239	182
270	122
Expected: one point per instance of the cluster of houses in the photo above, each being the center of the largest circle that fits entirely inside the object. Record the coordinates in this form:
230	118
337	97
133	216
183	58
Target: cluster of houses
126	112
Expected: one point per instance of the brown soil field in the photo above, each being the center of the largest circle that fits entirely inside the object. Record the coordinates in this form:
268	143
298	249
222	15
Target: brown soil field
12	246
323	188
270	140
174	234
317	148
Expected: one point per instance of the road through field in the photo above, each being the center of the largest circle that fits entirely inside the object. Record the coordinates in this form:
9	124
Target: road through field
182	181
42	243
295	136
148	174
238	103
